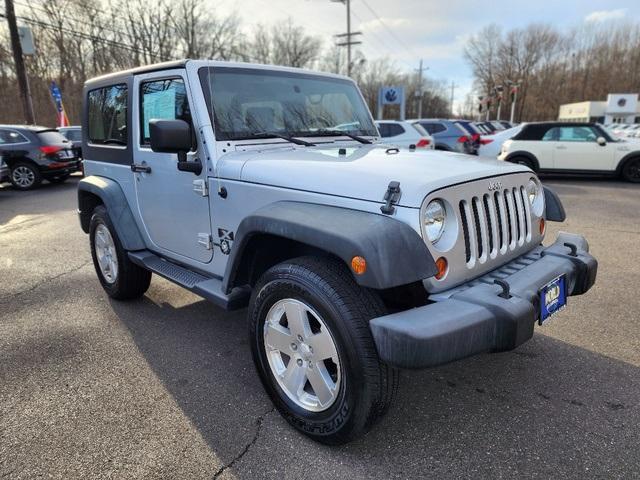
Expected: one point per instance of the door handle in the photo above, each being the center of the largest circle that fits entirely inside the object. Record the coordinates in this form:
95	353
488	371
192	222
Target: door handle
140	167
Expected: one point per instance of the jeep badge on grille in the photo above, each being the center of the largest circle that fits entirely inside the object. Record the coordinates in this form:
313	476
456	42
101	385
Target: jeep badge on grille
495	186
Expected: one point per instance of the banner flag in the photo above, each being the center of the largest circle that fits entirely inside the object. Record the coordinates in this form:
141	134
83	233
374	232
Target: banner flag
61	114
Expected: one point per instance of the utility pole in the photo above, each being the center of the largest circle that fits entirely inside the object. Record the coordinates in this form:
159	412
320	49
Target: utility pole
453	87
419	93
348	36
21	73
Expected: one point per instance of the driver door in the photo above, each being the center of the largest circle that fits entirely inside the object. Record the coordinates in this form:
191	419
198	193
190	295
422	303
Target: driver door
576	148
171	203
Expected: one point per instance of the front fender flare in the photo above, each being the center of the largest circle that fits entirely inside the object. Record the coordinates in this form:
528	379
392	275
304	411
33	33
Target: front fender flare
554	210
395	253
115	201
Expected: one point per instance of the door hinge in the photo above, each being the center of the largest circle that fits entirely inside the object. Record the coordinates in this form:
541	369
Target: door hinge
200	186
205	240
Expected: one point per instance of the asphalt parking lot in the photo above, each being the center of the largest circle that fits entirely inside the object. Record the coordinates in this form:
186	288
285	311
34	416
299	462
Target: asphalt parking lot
164	387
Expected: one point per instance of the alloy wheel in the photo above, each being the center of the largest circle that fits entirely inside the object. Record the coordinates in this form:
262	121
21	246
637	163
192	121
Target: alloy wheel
23	176
106	253
302	355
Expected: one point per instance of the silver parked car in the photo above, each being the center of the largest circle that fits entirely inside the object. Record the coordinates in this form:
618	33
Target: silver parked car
448	135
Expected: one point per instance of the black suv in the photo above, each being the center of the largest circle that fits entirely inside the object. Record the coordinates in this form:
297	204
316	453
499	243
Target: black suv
35	153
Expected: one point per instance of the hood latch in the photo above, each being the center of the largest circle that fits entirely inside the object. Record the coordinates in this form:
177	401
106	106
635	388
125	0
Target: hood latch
392	196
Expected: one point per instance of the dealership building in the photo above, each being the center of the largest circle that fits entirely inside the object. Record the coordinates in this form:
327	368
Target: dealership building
618	108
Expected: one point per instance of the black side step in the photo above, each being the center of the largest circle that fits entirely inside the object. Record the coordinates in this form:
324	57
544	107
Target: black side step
209	288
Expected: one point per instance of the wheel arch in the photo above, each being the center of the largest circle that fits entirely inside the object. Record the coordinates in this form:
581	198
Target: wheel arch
528	155
10	161
95	190
285	230
624	160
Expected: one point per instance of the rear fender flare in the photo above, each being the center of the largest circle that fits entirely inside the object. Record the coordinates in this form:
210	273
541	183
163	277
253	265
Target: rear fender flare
113	198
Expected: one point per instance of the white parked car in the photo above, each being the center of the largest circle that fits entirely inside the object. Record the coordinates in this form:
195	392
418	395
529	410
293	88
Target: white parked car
619	129
490	145
573	148
404	134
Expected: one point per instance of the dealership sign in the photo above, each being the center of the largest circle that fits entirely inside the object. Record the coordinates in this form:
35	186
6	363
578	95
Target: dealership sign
391	96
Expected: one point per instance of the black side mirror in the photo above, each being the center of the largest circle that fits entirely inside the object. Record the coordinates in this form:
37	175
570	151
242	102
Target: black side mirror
174	136
170	136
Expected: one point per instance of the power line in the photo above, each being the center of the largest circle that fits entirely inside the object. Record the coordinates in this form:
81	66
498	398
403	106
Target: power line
386	27
85	36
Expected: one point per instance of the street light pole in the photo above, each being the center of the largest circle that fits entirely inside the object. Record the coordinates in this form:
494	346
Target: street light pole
513	103
21	73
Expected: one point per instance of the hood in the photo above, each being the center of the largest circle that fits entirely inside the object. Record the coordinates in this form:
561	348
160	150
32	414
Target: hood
364	172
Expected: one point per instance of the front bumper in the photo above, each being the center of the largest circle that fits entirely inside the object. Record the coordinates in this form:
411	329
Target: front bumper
477	317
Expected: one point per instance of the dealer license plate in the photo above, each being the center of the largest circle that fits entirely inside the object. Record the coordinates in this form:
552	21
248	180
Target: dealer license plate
553	298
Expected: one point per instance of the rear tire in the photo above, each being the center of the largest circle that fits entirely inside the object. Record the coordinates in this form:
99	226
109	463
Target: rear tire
25	175
631	170
361	386
120	277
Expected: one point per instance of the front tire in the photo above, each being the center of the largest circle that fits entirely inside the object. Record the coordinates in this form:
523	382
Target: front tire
313	349
631	170
25	175
120	277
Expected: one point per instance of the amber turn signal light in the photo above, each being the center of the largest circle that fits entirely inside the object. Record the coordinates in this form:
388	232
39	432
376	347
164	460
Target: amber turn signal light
542	226
442	265
358	265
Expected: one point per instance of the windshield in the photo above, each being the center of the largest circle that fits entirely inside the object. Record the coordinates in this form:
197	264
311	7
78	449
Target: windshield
249	103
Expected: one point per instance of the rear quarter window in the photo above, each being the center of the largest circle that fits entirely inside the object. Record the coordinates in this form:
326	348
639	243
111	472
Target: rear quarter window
395	129
107	115
51	137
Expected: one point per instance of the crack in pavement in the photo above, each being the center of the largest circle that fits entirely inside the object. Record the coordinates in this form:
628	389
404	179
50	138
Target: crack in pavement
6	299
247	447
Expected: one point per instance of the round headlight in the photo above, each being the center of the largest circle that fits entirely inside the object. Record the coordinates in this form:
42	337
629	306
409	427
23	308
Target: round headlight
535	196
435	216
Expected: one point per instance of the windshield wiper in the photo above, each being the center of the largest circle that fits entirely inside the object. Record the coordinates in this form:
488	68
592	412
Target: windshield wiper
288	138
340	133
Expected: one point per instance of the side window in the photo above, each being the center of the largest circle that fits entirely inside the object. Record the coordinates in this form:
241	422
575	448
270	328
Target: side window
108	115
8	137
551	135
383	128
164	99
577	134
433	127
395	129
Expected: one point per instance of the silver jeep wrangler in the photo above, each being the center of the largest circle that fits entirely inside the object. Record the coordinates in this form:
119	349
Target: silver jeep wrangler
268	187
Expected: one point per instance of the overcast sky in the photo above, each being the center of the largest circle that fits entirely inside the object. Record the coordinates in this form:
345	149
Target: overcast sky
435	31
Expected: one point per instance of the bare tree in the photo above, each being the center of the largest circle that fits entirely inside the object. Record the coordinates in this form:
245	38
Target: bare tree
285	44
